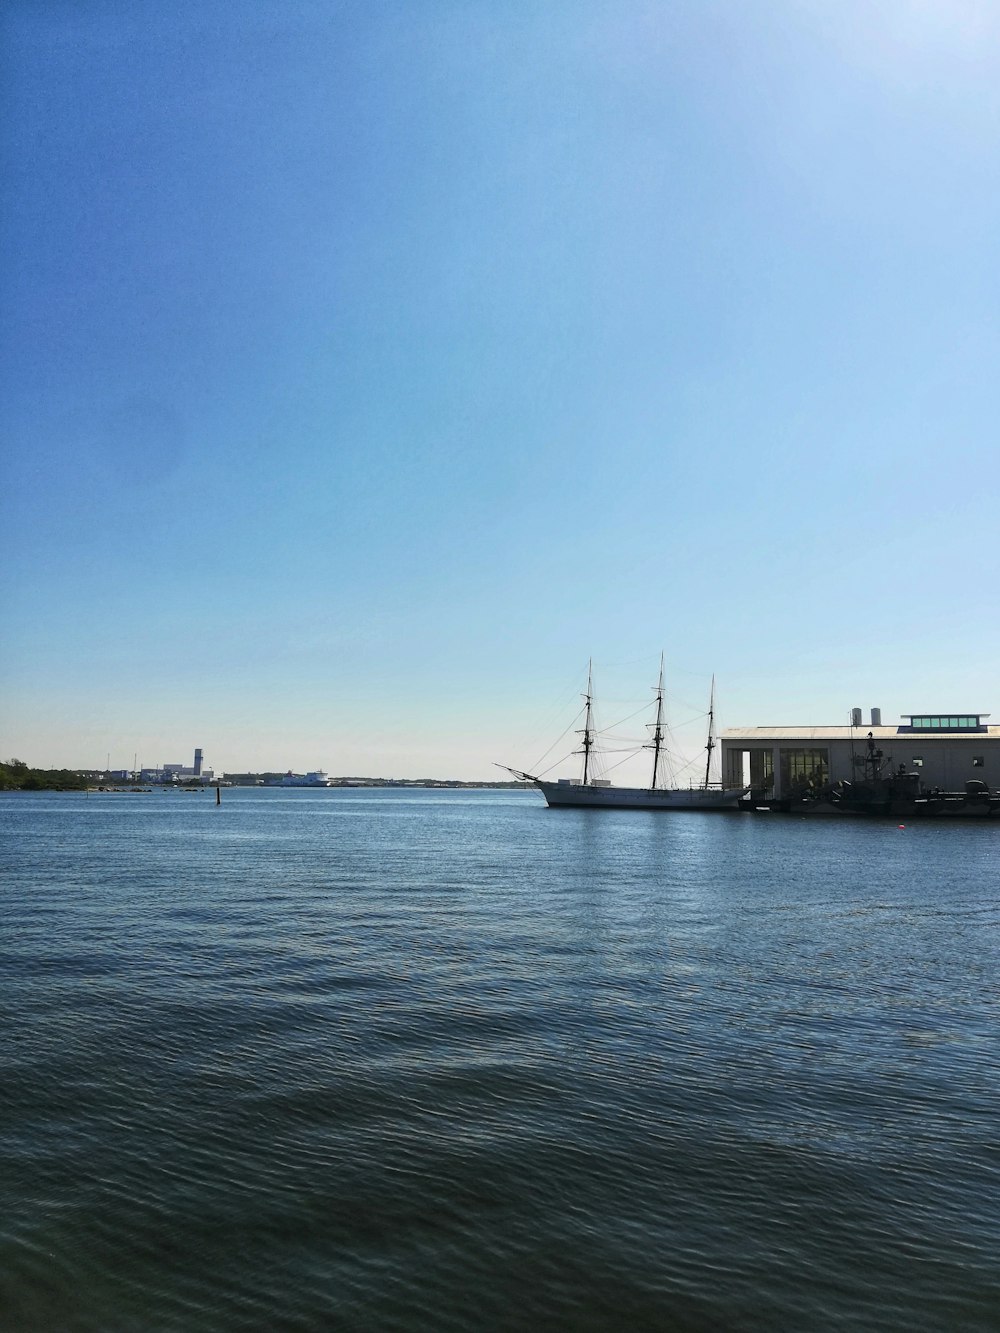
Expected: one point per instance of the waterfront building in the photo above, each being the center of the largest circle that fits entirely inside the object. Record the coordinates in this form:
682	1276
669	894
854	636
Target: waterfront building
944	749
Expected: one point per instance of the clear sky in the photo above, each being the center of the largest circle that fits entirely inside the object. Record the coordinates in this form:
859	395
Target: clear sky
368	367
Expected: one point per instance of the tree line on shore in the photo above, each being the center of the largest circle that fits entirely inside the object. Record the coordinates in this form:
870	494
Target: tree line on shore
15	775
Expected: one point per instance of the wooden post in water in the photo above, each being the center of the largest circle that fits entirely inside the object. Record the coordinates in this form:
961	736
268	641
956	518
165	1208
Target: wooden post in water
218	794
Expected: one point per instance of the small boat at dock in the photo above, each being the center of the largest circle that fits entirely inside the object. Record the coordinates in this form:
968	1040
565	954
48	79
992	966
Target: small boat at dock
884	790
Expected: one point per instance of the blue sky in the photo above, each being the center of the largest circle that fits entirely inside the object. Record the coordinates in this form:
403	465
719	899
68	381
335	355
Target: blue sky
367	368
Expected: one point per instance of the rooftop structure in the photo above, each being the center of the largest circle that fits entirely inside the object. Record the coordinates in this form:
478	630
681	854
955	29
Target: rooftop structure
945	722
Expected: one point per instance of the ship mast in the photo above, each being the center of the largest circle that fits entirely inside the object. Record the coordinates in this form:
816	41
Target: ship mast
588	728
657	726
710	743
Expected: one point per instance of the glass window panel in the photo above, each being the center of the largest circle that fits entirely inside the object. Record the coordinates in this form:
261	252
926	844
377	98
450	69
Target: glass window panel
804	770
762	771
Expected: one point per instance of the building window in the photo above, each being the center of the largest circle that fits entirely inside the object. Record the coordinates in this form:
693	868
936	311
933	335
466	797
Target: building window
978	761
804	770
762	771
942	722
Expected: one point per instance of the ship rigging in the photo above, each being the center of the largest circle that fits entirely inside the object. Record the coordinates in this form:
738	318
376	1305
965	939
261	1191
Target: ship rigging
590	790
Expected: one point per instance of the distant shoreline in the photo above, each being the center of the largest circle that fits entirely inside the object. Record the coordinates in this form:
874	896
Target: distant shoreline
17	776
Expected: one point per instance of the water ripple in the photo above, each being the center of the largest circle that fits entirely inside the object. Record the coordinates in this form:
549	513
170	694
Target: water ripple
448	1061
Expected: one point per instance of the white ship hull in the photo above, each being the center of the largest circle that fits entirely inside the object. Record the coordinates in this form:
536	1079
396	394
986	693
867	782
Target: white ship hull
641	798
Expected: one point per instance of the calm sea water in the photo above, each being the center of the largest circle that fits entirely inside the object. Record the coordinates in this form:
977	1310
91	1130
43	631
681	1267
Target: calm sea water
449	1060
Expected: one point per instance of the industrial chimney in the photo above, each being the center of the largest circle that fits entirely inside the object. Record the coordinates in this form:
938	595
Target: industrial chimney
876	717
856	717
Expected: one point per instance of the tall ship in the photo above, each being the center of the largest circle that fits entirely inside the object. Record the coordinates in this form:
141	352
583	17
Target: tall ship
590	790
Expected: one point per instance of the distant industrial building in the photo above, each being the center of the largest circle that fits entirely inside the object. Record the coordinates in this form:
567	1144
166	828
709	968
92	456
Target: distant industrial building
197	772
944	749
